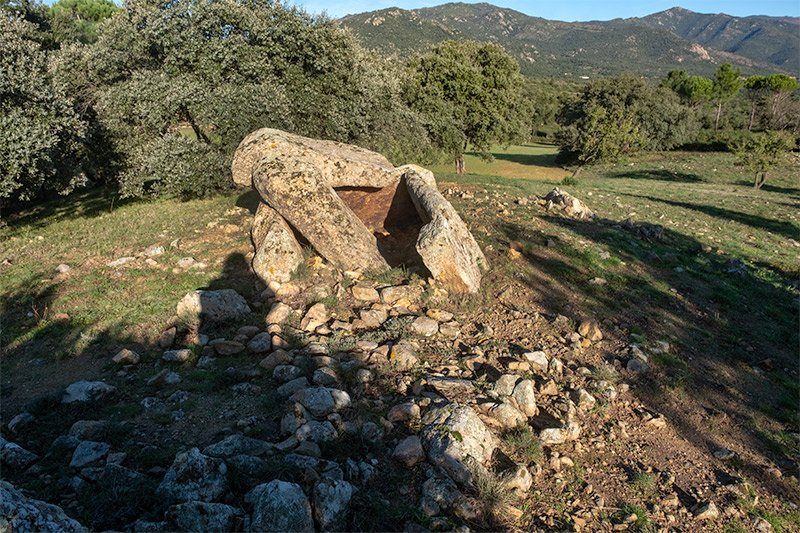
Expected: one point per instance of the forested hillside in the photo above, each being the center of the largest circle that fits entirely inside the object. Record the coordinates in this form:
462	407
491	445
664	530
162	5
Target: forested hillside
543	47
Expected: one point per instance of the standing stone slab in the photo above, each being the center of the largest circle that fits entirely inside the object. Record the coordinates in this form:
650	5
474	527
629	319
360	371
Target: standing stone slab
278	253
445	244
296	188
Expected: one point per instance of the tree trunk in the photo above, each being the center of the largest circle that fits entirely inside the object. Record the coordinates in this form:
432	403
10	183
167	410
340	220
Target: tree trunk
719	112
761	177
460	168
197	131
577	171
752	117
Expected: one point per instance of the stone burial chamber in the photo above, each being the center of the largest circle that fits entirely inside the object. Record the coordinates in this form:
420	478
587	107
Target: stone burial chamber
355	208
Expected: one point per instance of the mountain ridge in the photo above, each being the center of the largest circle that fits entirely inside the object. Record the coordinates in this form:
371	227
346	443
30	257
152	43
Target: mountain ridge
595	48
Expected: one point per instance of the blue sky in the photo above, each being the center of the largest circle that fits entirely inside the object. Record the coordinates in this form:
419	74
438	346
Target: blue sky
573	10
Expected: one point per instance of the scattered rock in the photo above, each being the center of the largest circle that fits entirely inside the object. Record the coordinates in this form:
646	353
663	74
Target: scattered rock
322	401
177	356
233	445
20	421
409	451
331	498
636	366
225	348
280	506
88	452
260	343
216	306
194	477
452	435
203	516
15	456
706	511
589	329
21	514
167	338
126	357
85	391
425	326
571	206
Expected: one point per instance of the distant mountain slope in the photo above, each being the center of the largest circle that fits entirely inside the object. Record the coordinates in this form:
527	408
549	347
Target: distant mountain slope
544	47
774	40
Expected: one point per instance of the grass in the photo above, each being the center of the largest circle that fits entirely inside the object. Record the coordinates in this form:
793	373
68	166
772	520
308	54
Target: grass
523	444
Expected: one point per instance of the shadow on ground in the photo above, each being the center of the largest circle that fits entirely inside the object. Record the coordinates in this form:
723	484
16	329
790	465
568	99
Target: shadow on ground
735	334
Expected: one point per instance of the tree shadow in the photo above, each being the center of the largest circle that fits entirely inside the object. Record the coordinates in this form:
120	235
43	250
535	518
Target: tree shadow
786	229
659	175
83	203
793	192
721	325
539	160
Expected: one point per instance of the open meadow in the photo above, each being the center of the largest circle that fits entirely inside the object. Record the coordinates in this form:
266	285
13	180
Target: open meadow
717	292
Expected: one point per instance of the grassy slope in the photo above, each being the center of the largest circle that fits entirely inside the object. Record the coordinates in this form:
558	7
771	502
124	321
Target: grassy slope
722	325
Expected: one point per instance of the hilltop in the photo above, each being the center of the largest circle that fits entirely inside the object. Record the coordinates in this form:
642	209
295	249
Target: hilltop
650	46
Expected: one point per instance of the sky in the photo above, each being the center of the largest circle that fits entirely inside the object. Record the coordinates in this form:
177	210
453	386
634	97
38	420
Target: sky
572	10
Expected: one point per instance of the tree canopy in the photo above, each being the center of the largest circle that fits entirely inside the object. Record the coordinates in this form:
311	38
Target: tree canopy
469	94
42	134
622	115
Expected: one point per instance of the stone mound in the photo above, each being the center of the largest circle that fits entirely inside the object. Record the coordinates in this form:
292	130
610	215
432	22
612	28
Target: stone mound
357	210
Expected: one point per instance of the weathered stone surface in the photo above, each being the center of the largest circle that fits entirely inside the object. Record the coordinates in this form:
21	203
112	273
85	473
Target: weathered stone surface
194	477
558	199
20	514
177	356
15	456
316	316
278	314
126	357
425	326
454	434
337	196
260	343
589	329
233	445
278	253
343	165
525	397
84	391
445	244
202	516
331	498
507	416
409	451
280	506
296	188
217	306
322	401
88	451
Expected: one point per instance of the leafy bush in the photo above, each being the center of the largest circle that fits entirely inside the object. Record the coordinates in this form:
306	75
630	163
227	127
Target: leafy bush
43	136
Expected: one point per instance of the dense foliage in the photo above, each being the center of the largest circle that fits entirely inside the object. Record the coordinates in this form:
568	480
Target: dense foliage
470	94
158	95
622	115
42	134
